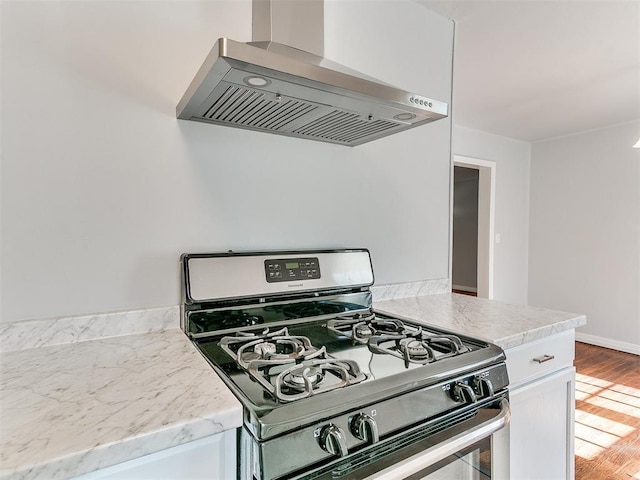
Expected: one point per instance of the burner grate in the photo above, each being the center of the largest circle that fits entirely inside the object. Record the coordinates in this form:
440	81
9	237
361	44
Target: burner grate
418	348
391	336
289	366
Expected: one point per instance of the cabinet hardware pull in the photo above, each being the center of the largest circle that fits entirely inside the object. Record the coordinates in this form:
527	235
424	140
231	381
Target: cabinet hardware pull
544	358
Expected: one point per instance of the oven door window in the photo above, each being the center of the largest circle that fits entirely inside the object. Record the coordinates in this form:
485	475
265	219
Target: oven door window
471	463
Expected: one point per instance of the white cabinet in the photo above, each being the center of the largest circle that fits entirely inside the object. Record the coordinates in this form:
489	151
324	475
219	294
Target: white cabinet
212	457
542	397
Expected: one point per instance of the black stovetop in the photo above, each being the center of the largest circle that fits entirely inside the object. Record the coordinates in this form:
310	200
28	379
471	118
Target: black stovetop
384	375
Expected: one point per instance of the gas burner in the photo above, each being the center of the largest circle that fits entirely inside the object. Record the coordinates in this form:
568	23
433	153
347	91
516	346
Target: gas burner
264	349
257	350
314	377
278	349
303	377
418	347
361	328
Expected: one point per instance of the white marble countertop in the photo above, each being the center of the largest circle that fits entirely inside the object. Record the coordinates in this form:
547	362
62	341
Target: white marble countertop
501	323
74	408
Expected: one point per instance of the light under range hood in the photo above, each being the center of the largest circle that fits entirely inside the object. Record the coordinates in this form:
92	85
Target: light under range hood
270	87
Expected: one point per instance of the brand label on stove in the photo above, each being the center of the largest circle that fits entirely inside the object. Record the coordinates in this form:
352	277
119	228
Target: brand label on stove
288	269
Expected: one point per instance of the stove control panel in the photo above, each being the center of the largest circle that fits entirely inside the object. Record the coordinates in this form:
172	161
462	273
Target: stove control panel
291	269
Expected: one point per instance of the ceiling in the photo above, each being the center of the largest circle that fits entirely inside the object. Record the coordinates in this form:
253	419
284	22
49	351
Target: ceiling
534	70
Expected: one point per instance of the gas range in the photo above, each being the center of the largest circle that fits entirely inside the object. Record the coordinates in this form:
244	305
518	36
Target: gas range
326	381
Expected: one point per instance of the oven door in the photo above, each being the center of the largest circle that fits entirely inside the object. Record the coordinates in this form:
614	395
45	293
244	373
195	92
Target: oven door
476	449
473	449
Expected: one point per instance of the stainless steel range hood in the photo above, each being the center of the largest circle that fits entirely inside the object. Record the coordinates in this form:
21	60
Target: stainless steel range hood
270	87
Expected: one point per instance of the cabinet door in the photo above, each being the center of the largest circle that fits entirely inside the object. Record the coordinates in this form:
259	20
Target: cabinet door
211	457
542	428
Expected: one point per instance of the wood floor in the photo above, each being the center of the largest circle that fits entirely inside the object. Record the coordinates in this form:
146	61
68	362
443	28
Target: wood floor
464	292
607	414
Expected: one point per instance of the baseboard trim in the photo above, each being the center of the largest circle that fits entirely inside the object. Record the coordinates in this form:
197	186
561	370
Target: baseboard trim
608	343
463	288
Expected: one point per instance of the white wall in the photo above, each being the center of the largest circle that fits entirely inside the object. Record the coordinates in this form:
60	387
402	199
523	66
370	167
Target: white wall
585	232
512	159
102	188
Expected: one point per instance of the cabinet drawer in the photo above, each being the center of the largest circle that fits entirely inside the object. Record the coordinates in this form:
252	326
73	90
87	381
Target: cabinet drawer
532	360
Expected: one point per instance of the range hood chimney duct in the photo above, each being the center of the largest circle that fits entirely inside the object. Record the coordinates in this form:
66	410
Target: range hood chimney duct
295	23
281	83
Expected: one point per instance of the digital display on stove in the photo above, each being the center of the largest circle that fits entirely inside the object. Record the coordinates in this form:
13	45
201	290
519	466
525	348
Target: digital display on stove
291	269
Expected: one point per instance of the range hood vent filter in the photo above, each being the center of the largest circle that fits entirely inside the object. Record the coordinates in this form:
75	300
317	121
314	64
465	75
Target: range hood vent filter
251	109
343	127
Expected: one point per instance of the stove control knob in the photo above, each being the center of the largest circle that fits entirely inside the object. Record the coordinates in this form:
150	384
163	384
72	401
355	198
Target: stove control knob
332	440
365	428
483	387
464	393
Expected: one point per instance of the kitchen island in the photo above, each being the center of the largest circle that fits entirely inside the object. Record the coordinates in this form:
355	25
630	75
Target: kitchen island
75	408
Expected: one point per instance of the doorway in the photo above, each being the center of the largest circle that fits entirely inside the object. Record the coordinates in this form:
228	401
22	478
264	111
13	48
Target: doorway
464	269
473	226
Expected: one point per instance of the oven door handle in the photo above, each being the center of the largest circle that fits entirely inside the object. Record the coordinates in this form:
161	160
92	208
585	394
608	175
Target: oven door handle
442	450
